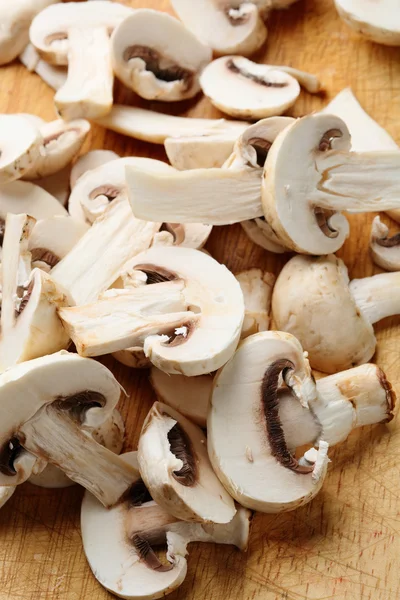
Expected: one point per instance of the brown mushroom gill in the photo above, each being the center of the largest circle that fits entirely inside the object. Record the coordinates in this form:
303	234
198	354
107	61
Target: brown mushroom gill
24	293
147	554
45	256
78	404
181	447
176	230
262	148
2	229
389	242
156	274
9	453
264	81
270	407
138	494
162	67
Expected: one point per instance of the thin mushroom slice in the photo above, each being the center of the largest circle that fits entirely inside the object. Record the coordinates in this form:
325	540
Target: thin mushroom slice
77	34
69	396
118	543
257	293
248	450
57	184
157	57
54	76
24	197
175	468
20	146
242	88
90	160
379	23
385	250
186	235
237	26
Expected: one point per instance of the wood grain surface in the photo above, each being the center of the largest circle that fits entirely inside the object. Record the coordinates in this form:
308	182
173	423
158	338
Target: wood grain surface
343	545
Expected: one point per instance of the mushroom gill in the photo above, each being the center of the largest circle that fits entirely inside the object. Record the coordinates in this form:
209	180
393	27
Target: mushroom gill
163	68
147	554
232	66
181	448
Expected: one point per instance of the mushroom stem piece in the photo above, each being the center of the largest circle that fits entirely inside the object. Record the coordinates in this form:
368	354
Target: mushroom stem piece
378	296
385	250
257	293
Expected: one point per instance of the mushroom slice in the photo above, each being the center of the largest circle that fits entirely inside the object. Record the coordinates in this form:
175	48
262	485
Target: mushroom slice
90	160
242	88
25	197
248	450
237	27
257	292
61	142
157	57
133	358
110	434
334	318
96	261
377	22
69	396
77	34
385	250
151	126
200	151
20	144
188	395
51	239
261	233
57	184
175	468
54	76
118	543
187	235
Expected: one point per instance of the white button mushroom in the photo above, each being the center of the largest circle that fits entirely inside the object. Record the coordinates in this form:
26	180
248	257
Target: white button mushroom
377	22
385	250
20	146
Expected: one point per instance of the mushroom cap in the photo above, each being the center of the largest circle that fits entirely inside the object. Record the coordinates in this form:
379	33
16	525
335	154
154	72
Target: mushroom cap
242	88
90	160
246	443
49	29
379	22
234	29
157	57
25	197
212	293
20	146
385	251
291	185
175	467
312	300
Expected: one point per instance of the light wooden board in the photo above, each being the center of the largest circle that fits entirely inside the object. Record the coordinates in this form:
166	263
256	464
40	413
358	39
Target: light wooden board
343	545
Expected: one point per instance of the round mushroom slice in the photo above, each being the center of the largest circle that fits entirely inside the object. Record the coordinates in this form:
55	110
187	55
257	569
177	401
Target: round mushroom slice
54	76
118	542
379	23
237	27
248	449
385	250
175	468
157	57
20	146
90	160
24	197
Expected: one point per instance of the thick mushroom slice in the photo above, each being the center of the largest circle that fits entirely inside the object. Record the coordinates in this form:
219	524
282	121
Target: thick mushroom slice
90	160
187	318
379	23
248	450
54	76
257	293
24	197
157	57
187	235
385	250
69	396
118	543
200	151
237	27
334	317
151	126
77	35
242	88
20	146
175	468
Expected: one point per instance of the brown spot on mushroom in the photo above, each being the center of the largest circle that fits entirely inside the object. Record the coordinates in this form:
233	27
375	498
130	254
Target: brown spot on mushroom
262	148
147	554
78	404
327	139
163	68
390	394
46	256
232	66
389	242
270	405
156	274
8	455
181	447
322	216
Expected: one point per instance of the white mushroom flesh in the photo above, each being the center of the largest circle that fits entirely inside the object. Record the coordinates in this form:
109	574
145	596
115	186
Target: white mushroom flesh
385	249
257	292
20	146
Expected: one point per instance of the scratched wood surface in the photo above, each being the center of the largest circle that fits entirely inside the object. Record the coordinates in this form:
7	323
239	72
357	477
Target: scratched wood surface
343	545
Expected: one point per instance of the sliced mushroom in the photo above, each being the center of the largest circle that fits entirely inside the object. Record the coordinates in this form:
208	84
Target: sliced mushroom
20	144
54	76
242	88
157	57
118	543
187	395
379	23
237	27
133	358
110	434
25	197
69	396
175	468
257	292
77	34
331	317
188	321
187	235
385	250
200	151
151	126
90	160
248	450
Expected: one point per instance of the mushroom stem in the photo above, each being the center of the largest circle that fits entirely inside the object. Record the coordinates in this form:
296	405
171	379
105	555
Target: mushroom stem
378	296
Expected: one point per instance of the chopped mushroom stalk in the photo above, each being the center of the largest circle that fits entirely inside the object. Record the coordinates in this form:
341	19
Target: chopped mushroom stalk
377	22
200	151
175	467
378	296
257	293
20	147
385	250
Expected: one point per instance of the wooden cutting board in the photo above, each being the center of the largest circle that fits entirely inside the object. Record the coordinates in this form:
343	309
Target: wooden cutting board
343	545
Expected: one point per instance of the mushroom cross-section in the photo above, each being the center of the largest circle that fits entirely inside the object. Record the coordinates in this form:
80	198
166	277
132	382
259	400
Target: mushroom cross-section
20	146
157	57
187	318
54	76
69	396
175	467
24	197
77	34
248	449
89	161
331	317
385	250
379	22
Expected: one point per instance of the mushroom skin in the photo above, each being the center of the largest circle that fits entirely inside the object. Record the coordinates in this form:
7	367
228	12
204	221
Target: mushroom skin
385	250
20	147
157	57
378	23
